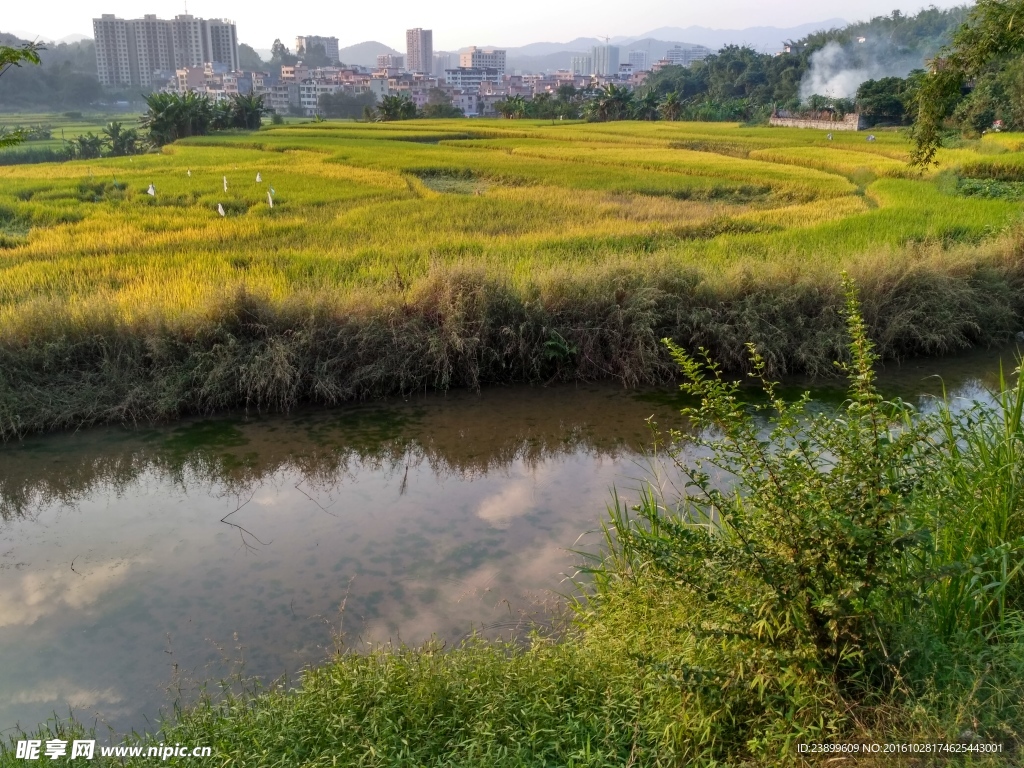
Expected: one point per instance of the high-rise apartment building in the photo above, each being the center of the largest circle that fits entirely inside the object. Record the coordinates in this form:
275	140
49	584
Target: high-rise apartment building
685	55
606	59
489	58
112	62
638	60
442	61
330	45
419	50
581	65
128	52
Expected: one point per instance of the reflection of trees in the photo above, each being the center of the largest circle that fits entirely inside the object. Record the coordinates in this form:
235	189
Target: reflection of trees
325	449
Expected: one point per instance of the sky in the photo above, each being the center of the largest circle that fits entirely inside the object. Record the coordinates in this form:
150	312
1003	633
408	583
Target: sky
455	24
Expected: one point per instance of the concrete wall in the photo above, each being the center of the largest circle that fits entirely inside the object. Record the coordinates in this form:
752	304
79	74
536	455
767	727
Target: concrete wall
848	123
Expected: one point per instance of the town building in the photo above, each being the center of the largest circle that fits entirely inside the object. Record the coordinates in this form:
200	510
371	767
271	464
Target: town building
469	78
442	61
685	55
130	51
638	60
489	58
391	61
606	59
581	65
329	44
419	50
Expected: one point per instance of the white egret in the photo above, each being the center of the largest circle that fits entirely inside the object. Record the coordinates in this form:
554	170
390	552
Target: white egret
189	172
220	210
259	178
151	191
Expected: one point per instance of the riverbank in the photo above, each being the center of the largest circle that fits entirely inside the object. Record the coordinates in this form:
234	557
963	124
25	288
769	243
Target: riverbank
866	589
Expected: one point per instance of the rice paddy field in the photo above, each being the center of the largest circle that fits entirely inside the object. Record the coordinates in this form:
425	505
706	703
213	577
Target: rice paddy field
63	127
378	258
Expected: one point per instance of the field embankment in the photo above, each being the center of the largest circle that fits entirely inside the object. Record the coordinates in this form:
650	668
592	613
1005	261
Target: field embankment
377	259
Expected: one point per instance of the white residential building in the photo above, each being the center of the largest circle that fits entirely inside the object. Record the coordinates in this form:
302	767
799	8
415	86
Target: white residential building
489	58
606	59
581	65
129	52
684	56
469	78
638	60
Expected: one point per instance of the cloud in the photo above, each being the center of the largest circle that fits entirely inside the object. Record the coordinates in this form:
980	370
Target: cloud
43	592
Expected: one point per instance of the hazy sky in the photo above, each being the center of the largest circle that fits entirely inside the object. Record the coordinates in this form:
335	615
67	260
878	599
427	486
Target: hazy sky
455	24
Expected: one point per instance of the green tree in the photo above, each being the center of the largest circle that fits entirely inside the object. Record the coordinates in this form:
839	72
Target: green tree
613	102
247	111
439	105
671	107
249	60
883	101
316	56
994	29
121	141
16	57
345	105
281	56
398	107
646	107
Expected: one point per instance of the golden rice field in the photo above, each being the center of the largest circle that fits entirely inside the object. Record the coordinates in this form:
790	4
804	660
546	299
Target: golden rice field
382	219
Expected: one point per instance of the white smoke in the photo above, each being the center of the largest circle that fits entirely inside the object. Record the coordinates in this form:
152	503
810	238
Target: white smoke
838	70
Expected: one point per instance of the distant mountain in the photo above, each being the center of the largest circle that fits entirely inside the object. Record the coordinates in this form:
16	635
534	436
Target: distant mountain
28	36
539	57
766	39
365	54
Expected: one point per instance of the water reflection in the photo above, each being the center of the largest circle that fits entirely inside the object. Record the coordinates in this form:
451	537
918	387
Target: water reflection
131	561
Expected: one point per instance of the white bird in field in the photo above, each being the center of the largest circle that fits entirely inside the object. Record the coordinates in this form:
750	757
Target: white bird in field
189	172
270	199
259	178
871	137
830	137
220	210
225	183
151	191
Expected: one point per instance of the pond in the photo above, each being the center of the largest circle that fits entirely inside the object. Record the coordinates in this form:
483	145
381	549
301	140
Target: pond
137	563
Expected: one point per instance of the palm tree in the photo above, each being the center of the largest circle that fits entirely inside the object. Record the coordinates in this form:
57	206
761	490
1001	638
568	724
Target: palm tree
87	147
518	105
121	141
671	106
398	107
612	102
247	111
646	107
173	116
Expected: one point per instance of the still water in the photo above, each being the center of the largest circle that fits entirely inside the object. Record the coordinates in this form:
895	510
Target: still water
135	564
